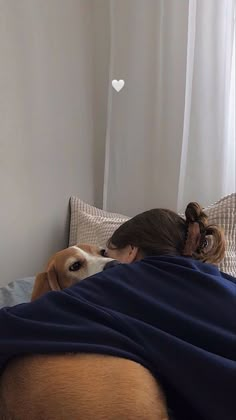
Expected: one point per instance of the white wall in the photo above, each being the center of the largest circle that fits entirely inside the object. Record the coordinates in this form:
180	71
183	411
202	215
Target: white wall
46	127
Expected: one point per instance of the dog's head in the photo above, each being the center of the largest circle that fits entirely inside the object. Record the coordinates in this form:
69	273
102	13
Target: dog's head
70	266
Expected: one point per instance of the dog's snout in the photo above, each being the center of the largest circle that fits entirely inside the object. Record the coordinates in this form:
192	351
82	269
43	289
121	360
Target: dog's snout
111	264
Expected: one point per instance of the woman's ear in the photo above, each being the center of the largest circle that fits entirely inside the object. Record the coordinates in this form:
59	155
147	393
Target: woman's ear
132	254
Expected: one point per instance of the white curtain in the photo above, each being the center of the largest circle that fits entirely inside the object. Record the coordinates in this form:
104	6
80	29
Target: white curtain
170	135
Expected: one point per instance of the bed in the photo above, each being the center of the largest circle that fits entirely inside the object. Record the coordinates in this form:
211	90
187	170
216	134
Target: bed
89	224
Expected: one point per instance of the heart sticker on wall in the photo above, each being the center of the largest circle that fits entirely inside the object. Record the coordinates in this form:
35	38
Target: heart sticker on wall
118	84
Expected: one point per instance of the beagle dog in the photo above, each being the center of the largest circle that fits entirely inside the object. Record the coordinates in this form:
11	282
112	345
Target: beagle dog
70	266
77	386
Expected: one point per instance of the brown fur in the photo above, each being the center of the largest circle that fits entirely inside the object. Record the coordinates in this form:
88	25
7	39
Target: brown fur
77	386
84	386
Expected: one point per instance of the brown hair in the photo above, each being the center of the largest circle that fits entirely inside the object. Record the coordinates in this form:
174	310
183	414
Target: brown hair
164	232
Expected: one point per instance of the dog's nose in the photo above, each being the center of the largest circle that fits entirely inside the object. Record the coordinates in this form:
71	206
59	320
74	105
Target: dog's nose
111	264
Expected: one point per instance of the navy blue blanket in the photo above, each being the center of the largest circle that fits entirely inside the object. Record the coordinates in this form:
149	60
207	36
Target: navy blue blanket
174	315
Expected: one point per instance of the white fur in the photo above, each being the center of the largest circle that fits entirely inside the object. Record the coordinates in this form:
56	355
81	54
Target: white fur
95	263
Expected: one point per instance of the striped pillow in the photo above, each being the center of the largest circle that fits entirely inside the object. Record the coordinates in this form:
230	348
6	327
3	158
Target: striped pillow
91	225
88	224
223	213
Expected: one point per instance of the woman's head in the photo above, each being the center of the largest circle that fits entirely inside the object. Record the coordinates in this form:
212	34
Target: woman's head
164	232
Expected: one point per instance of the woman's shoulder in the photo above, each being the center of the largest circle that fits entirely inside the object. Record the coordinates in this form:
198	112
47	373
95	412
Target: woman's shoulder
175	263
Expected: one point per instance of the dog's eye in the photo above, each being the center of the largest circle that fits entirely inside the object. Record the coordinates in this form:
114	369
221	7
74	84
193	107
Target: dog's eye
75	267
103	252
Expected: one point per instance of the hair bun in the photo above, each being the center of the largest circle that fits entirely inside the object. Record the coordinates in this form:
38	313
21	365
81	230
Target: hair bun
194	213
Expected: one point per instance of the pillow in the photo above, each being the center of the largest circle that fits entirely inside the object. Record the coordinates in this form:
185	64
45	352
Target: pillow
91	225
223	213
18	291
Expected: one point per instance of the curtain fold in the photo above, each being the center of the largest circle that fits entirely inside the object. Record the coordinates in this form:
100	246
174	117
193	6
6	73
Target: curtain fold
170	131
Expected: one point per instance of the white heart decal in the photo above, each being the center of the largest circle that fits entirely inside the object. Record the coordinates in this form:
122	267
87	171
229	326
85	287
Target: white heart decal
118	84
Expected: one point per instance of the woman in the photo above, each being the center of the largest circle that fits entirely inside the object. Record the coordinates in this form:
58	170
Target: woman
168	307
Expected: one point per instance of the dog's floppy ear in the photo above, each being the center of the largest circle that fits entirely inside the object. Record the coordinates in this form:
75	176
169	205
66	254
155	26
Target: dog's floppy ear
41	286
45	282
53	278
